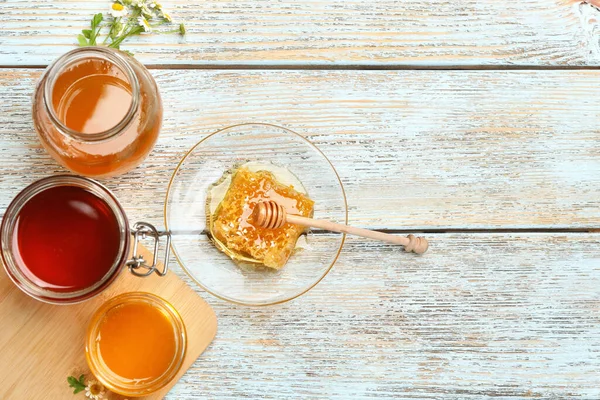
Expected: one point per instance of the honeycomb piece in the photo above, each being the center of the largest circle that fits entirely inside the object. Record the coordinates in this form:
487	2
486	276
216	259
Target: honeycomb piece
231	223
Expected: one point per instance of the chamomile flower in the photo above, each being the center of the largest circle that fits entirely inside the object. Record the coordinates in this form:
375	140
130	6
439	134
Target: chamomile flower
117	10
94	391
143	22
127	18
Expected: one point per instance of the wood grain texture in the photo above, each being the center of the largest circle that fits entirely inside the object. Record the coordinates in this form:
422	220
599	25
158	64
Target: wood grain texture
326	32
415	149
42	344
478	316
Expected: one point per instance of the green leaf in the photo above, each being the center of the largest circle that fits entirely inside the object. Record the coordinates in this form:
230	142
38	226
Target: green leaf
82	40
77	384
96	20
87	33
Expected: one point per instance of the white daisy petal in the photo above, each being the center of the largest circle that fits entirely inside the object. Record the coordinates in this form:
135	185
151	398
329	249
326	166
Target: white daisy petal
117	10
143	22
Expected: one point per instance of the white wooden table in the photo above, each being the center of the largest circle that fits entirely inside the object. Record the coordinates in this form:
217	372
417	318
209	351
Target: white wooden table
475	121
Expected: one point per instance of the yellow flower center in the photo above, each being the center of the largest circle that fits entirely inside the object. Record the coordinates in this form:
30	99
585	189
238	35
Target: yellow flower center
117	7
96	389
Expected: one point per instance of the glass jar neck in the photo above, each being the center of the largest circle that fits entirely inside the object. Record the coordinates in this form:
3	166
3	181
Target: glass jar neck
68	60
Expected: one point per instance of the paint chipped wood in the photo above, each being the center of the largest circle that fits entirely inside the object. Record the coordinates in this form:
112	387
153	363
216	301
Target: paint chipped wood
506	315
415	149
478	316
328	32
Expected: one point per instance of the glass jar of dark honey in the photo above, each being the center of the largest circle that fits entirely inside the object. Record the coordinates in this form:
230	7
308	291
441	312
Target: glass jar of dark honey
97	111
64	239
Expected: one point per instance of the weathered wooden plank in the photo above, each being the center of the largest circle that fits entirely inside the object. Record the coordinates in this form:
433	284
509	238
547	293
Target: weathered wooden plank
496	315
415	149
329	32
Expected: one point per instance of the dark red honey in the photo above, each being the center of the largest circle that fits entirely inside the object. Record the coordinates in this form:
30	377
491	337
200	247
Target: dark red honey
66	239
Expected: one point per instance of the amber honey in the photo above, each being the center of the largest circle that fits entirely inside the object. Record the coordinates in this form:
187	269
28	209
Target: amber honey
232	227
97	111
136	344
91	98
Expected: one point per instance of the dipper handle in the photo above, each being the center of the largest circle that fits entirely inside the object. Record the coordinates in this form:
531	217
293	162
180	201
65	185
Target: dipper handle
271	215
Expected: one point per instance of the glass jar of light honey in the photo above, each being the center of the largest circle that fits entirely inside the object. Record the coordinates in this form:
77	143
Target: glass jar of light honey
136	344
97	111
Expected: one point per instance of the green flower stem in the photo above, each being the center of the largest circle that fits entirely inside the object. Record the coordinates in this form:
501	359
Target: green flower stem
133	31
116	23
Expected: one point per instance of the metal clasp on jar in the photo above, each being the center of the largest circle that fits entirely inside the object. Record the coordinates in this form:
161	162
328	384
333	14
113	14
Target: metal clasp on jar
138	265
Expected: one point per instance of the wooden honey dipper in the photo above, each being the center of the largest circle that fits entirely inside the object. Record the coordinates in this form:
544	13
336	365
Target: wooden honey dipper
270	215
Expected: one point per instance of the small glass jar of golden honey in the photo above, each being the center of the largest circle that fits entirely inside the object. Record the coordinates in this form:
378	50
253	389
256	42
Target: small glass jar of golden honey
136	344
97	111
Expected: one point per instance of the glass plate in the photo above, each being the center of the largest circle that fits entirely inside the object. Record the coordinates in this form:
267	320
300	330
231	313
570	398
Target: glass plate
185	213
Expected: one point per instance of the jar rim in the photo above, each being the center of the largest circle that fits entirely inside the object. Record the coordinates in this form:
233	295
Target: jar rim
7	231
118	384
74	56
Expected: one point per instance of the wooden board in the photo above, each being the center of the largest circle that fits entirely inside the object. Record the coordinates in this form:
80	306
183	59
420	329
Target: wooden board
415	149
386	33
41	344
484	315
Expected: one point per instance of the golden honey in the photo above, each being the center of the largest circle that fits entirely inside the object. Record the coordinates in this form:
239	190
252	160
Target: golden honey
128	353
233	231
136	344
